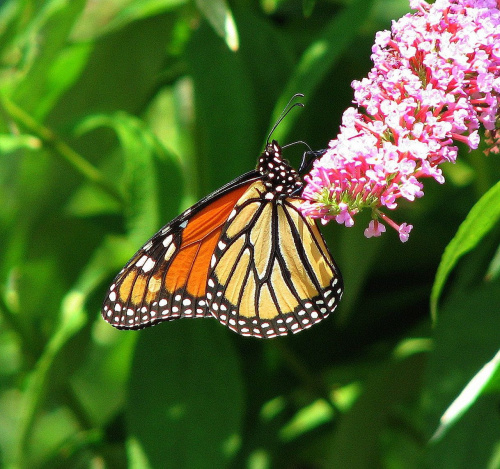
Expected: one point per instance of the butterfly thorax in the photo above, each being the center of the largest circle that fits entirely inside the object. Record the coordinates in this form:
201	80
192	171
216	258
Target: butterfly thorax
279	178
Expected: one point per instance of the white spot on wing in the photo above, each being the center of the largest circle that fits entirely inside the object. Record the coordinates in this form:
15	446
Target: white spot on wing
150	263
167	240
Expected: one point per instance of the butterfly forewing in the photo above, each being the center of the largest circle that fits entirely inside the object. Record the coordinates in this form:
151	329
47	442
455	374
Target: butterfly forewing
166	279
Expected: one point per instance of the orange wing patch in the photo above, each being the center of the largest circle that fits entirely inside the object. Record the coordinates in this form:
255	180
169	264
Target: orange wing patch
199	238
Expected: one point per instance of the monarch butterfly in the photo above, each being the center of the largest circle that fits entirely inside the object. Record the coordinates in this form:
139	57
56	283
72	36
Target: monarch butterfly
244	254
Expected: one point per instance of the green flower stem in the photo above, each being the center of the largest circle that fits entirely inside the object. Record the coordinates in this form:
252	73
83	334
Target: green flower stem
61	148
73	318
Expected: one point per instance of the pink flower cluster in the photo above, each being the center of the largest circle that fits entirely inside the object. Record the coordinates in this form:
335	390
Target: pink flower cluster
436	78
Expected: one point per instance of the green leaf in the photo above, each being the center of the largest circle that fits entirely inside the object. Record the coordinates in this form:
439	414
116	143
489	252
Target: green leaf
53	22
478	223
139	9
63	73
479	384
494	267
186	397
51	432
388	387
108	360
225	142
10	16
218	14
123	72
107	366
278	60
351	244
12	142
318	59
308	7
139	180
72	319
135	454
89	200
465	338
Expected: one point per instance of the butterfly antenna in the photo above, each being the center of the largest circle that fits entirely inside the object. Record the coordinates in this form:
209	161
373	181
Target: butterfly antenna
308	157
295	143
284	113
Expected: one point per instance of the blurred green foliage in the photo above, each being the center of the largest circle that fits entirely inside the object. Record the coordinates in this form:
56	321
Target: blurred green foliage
118	114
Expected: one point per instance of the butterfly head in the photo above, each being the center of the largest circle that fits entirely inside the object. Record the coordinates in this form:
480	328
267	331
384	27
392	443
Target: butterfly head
280	179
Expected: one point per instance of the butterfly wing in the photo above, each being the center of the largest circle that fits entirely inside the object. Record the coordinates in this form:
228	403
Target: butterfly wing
166	279
271	272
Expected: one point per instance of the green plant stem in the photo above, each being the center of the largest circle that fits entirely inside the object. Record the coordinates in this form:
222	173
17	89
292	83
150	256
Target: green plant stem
70	324
61	148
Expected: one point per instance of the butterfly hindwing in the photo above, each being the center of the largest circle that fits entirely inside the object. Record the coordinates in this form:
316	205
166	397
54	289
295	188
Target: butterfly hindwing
271	271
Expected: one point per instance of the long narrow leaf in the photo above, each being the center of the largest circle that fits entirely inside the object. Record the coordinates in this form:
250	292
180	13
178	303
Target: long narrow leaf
185	404
218	14
476	386
72	319
481	219
139	179
54	21
140	9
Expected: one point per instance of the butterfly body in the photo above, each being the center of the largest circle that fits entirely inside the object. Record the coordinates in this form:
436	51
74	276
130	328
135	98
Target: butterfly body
244	255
